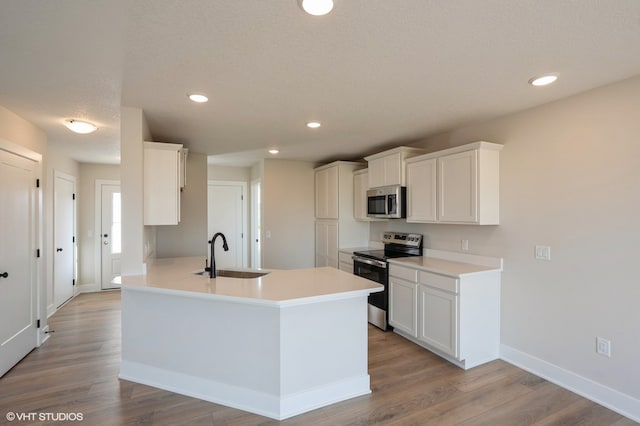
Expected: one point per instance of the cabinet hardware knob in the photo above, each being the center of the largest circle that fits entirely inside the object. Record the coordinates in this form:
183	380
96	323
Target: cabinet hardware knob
58	249
4	275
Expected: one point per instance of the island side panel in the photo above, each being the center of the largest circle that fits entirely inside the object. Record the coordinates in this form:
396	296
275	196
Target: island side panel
219	351
324	353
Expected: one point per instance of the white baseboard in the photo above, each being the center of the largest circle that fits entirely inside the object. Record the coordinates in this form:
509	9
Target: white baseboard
269	405
603	395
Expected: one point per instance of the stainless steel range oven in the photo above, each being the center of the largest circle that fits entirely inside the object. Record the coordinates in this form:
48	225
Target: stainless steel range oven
373	265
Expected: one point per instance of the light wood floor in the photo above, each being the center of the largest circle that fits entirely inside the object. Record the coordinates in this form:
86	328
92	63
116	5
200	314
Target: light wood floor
76	372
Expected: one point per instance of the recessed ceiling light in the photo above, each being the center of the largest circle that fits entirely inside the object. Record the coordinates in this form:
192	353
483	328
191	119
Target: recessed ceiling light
82	127
273	151
313	124
198	97
543	80
316	7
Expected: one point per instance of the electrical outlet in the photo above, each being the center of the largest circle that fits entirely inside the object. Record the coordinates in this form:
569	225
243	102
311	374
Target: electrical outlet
464	245
603	347
543	252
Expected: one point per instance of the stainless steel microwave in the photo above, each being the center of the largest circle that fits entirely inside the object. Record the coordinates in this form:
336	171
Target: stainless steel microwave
387	202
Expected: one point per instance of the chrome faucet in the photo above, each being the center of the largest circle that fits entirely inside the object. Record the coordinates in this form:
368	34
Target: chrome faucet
212	269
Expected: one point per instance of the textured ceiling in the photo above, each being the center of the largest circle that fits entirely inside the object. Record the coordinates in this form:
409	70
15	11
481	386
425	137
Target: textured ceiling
376	73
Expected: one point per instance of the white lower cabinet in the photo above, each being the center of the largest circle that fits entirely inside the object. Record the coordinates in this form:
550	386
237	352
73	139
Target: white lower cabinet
456	317
439	319
346	261
327	243
403	314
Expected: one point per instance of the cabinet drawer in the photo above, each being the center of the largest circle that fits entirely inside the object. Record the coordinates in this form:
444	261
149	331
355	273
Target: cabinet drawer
439	281
404	273
345	257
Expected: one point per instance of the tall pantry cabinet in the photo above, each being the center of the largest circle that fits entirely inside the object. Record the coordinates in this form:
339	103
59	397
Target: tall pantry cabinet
336	225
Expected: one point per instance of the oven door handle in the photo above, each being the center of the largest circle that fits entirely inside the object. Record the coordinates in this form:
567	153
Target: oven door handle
371	262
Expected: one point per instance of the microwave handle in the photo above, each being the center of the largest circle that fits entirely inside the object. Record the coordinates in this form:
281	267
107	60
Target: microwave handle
389	206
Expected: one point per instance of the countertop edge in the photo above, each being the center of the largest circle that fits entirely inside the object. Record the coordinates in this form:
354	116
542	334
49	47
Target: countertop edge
252	301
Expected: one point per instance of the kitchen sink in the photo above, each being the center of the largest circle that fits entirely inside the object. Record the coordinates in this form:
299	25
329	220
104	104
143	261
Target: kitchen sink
231	273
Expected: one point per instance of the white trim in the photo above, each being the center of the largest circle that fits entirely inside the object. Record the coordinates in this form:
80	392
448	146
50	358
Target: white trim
97	250
21	151
254	225
245	235
601	394
277	407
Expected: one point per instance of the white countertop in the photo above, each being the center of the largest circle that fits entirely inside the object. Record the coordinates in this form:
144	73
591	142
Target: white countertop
279	287
450	263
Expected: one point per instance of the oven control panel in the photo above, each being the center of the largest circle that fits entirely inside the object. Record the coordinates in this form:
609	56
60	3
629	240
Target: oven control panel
411	240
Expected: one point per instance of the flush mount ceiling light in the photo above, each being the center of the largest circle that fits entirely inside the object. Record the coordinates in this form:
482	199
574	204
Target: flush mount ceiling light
313	124
198	97
543	80
273	151
82	127
316	7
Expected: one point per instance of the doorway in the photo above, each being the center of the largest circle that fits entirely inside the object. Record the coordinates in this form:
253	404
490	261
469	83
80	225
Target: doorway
64	246
109	229
226	213
19	198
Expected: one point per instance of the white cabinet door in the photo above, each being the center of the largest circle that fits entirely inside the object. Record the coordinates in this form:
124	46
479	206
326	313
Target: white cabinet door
439	319
385	171
421	191
458	187
360	186
376	172
393	169
327	244
161	183
403	298
327	193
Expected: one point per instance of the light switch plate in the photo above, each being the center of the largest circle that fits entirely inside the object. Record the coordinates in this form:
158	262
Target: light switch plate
543	252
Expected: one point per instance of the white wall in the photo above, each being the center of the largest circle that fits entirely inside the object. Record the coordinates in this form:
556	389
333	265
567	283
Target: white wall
288	213
189	237
88	235
570	177
216	172
133	132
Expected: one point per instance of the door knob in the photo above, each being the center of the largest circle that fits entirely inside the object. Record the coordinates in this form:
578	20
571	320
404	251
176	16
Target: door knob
58	249
4	275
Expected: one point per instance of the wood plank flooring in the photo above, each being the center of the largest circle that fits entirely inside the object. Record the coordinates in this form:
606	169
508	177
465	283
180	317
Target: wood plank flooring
76	372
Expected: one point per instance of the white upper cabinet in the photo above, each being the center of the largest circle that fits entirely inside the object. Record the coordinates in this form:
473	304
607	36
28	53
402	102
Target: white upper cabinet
162	170
388	167
360	186
336	225
457	185
421	191
327	193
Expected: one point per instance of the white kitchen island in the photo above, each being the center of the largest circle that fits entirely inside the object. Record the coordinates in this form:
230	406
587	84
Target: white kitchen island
279	345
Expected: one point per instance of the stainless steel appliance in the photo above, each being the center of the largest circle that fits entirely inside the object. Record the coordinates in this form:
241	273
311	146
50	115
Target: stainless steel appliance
387	202
373	265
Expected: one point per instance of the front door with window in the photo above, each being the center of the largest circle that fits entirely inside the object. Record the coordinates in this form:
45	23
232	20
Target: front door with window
110	235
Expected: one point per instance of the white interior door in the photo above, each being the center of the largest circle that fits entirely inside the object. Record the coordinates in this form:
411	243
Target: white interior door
64	238
256	235
226	215
110	234
18	331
